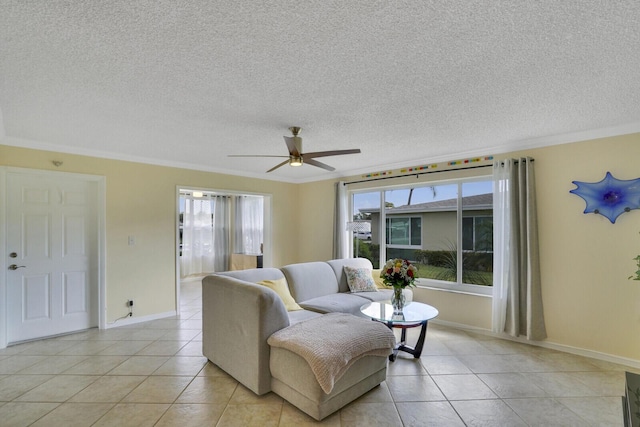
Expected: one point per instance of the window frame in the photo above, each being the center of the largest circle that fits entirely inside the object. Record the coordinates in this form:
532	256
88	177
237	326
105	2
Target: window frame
457	286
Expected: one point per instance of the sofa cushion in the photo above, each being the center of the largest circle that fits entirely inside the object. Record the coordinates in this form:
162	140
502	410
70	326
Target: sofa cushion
375	273
310	280
339	302
279	286
338	269
360	279
385	295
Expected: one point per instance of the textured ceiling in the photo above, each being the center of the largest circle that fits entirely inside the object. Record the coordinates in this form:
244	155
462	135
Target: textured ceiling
189	82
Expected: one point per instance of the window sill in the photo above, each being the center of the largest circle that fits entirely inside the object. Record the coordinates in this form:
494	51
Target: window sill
457	291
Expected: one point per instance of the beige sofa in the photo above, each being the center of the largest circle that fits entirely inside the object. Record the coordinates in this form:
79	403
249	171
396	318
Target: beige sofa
239	316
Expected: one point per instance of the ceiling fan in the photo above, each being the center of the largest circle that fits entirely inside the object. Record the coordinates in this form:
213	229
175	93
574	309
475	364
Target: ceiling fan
296	157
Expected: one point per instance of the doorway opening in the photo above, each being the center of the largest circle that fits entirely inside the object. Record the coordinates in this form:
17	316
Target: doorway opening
219	230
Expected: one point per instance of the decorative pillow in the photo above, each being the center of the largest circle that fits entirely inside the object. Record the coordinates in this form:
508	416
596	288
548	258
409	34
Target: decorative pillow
360	279
378	280
280	287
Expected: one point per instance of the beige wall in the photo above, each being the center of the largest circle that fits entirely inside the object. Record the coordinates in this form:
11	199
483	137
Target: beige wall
141	202
316	212
585	260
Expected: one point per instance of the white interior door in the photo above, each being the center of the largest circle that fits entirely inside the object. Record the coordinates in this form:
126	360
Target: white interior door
52	242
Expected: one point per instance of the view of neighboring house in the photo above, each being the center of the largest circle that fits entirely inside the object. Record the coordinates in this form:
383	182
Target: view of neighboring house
433	225
430	233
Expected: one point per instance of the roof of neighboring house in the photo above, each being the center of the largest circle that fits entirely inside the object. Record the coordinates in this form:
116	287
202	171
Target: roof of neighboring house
477	202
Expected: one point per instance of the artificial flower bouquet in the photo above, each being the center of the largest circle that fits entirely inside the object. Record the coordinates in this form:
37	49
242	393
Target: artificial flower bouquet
399	273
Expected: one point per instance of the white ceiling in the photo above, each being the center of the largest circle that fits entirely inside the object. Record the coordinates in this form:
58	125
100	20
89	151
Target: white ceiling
188	82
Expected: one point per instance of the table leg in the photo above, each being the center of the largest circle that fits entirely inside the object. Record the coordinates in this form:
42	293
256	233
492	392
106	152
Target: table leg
401	346
394	352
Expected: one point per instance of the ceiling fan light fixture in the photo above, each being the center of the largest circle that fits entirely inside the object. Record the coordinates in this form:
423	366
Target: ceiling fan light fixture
297	156
295	161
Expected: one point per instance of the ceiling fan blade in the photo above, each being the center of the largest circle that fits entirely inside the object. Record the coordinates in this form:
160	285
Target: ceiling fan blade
277	166
318	164
329	153
254	155
291	145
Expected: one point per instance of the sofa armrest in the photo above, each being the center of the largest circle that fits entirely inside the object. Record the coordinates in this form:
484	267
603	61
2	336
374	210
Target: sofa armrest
237	319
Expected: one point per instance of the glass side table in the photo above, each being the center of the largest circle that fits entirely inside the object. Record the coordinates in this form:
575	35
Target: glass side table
412	315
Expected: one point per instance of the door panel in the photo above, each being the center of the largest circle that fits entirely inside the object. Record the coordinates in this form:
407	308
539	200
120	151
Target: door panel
75	292
36	233
74	236
36	293
52	228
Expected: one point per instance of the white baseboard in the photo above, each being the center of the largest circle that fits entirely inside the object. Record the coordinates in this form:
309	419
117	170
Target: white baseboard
134	320
546	344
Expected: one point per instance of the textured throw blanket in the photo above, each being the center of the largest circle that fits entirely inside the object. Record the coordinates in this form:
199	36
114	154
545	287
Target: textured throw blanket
333	342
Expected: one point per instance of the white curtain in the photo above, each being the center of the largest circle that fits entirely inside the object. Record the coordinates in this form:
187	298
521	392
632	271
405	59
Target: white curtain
205	235
341	215
517	293
249	224
501	231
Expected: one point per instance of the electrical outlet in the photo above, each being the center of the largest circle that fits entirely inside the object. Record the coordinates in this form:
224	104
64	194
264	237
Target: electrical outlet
130	303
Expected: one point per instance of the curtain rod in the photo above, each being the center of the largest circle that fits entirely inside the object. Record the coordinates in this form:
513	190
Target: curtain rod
416	174
424	173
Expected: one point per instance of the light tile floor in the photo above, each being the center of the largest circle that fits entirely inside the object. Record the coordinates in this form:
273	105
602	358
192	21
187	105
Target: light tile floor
154	374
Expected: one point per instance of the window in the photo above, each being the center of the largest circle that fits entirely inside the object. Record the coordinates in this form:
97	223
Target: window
445	228
363	205
249	224
214	225
477	233
404	231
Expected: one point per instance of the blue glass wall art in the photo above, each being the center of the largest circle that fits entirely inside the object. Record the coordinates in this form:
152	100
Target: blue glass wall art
610	197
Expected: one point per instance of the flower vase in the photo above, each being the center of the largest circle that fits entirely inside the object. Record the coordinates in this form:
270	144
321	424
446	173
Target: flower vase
397	300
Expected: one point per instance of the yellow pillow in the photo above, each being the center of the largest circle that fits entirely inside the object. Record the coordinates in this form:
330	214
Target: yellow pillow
281	288
377	279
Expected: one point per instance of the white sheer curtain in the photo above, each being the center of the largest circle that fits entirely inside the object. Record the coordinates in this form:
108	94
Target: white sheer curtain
517	294
341	216
502	274
205	235
249	222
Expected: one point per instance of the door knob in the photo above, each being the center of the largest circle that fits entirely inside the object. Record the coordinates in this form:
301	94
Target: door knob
15	267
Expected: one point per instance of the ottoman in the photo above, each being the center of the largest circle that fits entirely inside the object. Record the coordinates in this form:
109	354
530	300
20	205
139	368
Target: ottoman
322	364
